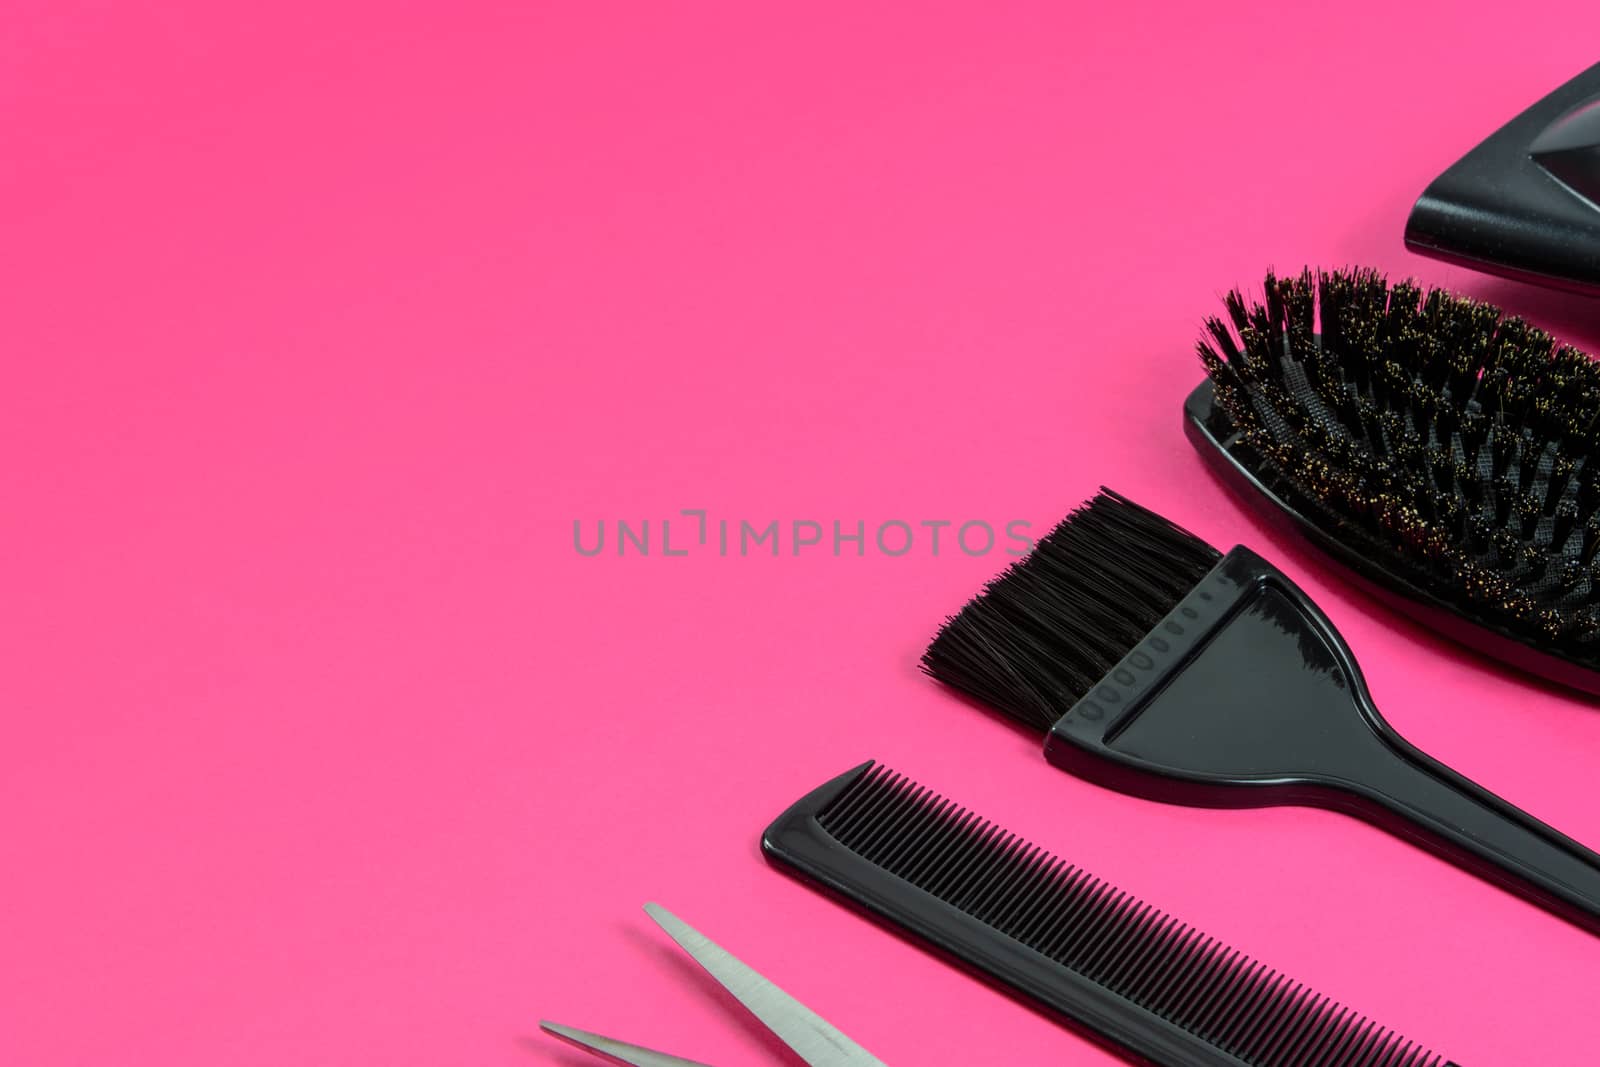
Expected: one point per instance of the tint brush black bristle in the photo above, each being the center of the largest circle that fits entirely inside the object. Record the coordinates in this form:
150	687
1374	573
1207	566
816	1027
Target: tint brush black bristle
1450	450
1055	623
1125	970
1159	667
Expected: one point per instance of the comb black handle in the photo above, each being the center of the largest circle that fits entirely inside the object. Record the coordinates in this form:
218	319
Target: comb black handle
1119	971
1246	696
797	841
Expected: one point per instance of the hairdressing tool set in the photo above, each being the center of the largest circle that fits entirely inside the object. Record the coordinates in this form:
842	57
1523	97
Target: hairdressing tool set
1447	454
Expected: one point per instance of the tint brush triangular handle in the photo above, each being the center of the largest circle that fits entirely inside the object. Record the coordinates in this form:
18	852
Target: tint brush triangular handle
1246	696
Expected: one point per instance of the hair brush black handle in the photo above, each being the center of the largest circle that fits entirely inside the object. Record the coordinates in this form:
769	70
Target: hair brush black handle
1246	696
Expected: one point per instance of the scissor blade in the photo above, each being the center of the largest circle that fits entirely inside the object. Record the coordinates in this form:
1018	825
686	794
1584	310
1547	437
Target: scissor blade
812	1037
615	1051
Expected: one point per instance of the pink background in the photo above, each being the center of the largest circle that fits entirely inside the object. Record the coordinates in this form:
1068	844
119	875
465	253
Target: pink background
320	329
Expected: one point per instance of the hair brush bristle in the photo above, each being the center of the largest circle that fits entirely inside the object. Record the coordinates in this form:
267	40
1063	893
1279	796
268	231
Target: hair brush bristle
1056	622
1454	445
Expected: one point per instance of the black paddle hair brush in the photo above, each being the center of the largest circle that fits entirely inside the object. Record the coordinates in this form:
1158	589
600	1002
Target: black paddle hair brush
1445	452
1160	667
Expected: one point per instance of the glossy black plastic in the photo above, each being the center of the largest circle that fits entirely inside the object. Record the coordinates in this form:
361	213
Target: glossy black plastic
1526	202
797	841
1019	917
1239	468
1246	696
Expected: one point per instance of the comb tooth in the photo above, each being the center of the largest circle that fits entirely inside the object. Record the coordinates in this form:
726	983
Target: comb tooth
1031	897
1269	1019
1253	996
879	788
1047	924
1169	988
1305	1023
1065	938
961	881
975	869
841	819
1211	1008
1348	1034
1213	958
888	797
1189	999
983	877
880	824
1386	1047
1031	891
1108	960
1380	1053
1044	878
1197	1001
1412	1054
1362	1049
1281	1023
1138	932
1317	1055
902	810
938	868
1316	1035
929	833
1366	1048
1408	1053
1161	932
941	853
1056	886
1299	1024
957	880
996	885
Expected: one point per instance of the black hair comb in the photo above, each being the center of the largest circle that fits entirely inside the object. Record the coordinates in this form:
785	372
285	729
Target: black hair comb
1446	453
1160	667
1117	968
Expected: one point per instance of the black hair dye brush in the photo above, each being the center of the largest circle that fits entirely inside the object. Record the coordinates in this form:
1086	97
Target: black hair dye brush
1446	453
1160	667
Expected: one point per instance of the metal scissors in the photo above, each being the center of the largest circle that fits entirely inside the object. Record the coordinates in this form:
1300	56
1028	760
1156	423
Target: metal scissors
812	1037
